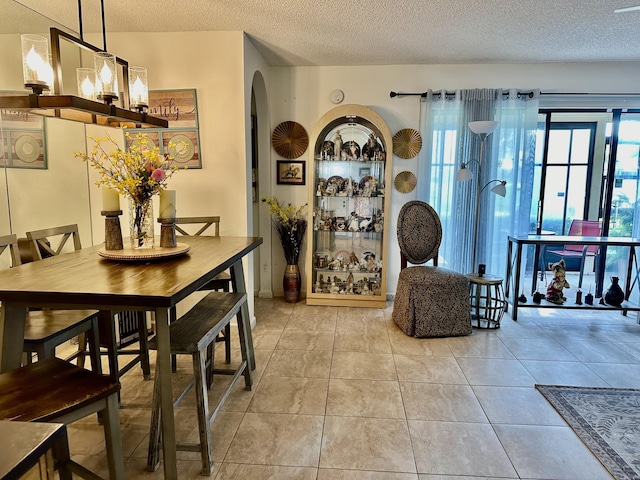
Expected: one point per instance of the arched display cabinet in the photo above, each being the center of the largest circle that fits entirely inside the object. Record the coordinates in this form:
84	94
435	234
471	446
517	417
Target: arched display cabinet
349	187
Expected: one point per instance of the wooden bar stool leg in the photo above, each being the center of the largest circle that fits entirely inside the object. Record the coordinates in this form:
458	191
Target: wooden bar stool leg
113	438
245	350
143	334
155	432
62	456
211	355
200	375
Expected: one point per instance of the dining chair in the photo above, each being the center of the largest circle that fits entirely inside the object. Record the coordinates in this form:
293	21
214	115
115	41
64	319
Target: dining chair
53	390
222	281
430	301
54	241
46	329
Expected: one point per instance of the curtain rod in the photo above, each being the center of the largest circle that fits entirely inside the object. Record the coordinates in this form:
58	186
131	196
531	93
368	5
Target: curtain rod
529	94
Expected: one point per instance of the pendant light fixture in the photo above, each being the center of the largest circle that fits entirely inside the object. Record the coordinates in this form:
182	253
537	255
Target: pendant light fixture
97	88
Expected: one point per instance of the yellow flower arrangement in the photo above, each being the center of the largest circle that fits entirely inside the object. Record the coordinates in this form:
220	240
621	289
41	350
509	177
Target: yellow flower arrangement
291	224
137	173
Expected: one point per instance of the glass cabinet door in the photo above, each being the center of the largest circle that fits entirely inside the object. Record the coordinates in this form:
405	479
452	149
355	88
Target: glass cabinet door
347	251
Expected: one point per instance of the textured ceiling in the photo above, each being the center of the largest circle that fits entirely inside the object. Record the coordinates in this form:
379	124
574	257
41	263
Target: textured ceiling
383	32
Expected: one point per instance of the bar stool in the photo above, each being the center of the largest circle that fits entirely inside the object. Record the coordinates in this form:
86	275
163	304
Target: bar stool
486	300
25	445
193	334
53	390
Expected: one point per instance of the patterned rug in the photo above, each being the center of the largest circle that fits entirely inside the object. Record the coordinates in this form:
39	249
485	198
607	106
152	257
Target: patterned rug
607	420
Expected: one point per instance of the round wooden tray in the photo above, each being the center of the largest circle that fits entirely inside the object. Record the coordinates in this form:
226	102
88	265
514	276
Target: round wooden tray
156	253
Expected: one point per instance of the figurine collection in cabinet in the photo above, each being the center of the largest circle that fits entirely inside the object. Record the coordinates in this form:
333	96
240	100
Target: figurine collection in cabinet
350	170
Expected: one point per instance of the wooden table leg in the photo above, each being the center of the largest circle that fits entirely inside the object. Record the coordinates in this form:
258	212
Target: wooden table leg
163	372
237	280
12	318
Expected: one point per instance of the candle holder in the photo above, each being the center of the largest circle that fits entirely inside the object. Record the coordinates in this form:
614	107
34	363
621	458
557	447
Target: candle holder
167	232
112	231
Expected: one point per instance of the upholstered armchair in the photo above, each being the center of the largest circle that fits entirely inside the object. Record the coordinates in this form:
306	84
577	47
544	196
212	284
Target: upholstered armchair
430	301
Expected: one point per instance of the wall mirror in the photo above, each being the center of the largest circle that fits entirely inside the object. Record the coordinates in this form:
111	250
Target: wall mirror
32	196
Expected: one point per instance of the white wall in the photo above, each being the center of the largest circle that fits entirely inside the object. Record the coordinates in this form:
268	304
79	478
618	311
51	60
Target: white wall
301	94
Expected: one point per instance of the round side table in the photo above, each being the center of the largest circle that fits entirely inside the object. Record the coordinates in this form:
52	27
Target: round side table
486	300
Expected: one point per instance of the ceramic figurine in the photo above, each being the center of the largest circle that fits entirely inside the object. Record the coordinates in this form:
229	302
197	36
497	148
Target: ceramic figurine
614	296
558	283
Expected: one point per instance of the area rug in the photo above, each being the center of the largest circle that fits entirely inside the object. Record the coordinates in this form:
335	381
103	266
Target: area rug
607	420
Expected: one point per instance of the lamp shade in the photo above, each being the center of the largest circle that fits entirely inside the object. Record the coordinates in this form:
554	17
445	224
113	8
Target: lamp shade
36	69
86	78
485	127
464	174
138	87
500	189
106	76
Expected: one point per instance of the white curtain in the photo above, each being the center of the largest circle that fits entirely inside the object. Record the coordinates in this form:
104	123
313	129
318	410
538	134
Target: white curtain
509	155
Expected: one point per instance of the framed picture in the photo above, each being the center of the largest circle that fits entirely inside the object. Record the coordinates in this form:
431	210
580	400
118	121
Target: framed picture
291	172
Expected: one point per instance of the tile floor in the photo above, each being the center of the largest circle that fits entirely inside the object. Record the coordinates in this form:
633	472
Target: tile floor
342	393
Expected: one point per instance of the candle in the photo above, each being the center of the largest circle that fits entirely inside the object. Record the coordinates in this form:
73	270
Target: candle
168	204
110	200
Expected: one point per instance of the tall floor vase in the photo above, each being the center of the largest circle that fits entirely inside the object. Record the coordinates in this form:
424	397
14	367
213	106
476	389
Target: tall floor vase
291	283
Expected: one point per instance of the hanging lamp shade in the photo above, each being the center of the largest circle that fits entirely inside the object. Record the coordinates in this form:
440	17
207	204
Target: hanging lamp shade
138	88
464	174
500	189
86	79
36	69
106	76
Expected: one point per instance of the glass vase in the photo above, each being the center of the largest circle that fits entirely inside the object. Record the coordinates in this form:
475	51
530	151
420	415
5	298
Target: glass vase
141	223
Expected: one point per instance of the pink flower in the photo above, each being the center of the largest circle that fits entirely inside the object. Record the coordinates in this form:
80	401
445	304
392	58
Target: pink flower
158	174
149	167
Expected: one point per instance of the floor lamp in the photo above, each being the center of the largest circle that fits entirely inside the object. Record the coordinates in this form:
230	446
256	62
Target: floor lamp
483	129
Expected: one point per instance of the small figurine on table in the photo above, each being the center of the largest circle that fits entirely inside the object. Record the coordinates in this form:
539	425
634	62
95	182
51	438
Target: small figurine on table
558	282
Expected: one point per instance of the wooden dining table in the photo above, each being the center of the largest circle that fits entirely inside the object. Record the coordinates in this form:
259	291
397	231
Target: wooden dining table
84	279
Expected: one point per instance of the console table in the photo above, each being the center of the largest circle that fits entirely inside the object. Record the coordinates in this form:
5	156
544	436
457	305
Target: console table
514	265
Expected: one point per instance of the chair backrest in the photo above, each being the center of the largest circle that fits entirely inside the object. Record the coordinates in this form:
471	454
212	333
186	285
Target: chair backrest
584	228
11	242
41	245
419	233
207	221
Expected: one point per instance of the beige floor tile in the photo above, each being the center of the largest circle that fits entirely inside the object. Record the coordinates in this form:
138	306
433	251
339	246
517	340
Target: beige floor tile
617	375
290	395
458	477
562	373
338	474
455	448
317	322
549	452
299	363
517	406
234	471
366	366
266	339
305	340
538	349
277	439
364	398
450	403
272	320
481	344
367	342
366	444
416	368
495	371
599	352
361	323
405	345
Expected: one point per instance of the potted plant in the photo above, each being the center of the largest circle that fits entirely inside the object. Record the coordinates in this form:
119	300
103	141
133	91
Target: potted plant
290	222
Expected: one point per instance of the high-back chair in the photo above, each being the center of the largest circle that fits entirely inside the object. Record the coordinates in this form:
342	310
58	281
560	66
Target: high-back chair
47	329
221	282
53	241
430	301
578	228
